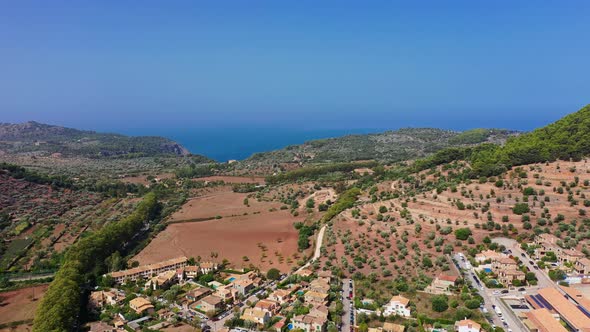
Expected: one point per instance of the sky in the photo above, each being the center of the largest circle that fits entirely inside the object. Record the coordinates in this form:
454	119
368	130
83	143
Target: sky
161	66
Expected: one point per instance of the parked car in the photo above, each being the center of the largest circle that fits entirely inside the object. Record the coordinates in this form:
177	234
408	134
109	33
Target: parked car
521	289
504	291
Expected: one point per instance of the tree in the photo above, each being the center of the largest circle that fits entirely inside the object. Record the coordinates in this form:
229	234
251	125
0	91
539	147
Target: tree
521	208
310	204
440	303
273	274
462	233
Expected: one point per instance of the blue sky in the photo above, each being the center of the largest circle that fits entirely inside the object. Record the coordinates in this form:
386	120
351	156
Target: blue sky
138	65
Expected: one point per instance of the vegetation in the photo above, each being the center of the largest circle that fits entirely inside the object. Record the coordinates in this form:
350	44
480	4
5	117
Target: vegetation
83	262
390	146
345	201
313	172
564	139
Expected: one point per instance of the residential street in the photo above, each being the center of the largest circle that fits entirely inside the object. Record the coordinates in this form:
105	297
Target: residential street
348	305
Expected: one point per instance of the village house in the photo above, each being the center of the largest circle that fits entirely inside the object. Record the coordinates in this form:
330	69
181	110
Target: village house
319	311
582	266
507	277
570	256
270	306
504	264
198	293
162	280
99	299
325	276
280	295
147	271
141	306
210	303
308	323
315	297
207	267
319	285
442	284
304	272
243	286
226	292
256	315
467	325
489	255
398	305
546	243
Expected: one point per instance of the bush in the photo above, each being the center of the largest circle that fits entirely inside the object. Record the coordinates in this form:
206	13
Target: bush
440	303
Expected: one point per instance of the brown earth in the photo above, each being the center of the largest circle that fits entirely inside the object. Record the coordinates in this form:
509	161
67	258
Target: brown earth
20	305
269	234
368	238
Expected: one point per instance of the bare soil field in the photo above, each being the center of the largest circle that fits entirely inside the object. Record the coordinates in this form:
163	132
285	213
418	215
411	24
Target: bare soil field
265	240
222	202
20	305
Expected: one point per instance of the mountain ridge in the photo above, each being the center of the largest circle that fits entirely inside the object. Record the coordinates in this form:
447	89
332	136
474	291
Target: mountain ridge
36	137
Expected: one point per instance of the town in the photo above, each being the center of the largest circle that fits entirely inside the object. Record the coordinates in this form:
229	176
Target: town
534	286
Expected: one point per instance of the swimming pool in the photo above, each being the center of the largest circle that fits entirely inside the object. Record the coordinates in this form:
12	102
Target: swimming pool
487	270
290	326
231	279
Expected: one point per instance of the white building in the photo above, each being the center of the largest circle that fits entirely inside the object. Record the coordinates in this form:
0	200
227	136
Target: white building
398	305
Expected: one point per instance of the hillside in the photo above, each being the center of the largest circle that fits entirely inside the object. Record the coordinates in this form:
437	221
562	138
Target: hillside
34	137
390	146
65	151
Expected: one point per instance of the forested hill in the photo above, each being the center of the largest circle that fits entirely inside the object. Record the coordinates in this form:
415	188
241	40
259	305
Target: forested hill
34	137
567	138
402	144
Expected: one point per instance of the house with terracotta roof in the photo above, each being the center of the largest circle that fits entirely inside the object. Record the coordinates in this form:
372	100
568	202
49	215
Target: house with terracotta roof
570	256
243	286
270	306
99	299
162	280
141	305
308	323
315	297
504	264
442	284
569	312
226	292
210	303
255	315
319	311
489	255
547	243
542	320
198	293
582	266
398	305
147	271
507	277
319	285
280	295
467	325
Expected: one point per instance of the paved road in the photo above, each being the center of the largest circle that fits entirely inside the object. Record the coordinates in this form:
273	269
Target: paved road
348	305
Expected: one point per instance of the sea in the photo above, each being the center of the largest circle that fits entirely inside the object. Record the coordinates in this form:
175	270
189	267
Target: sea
240	143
